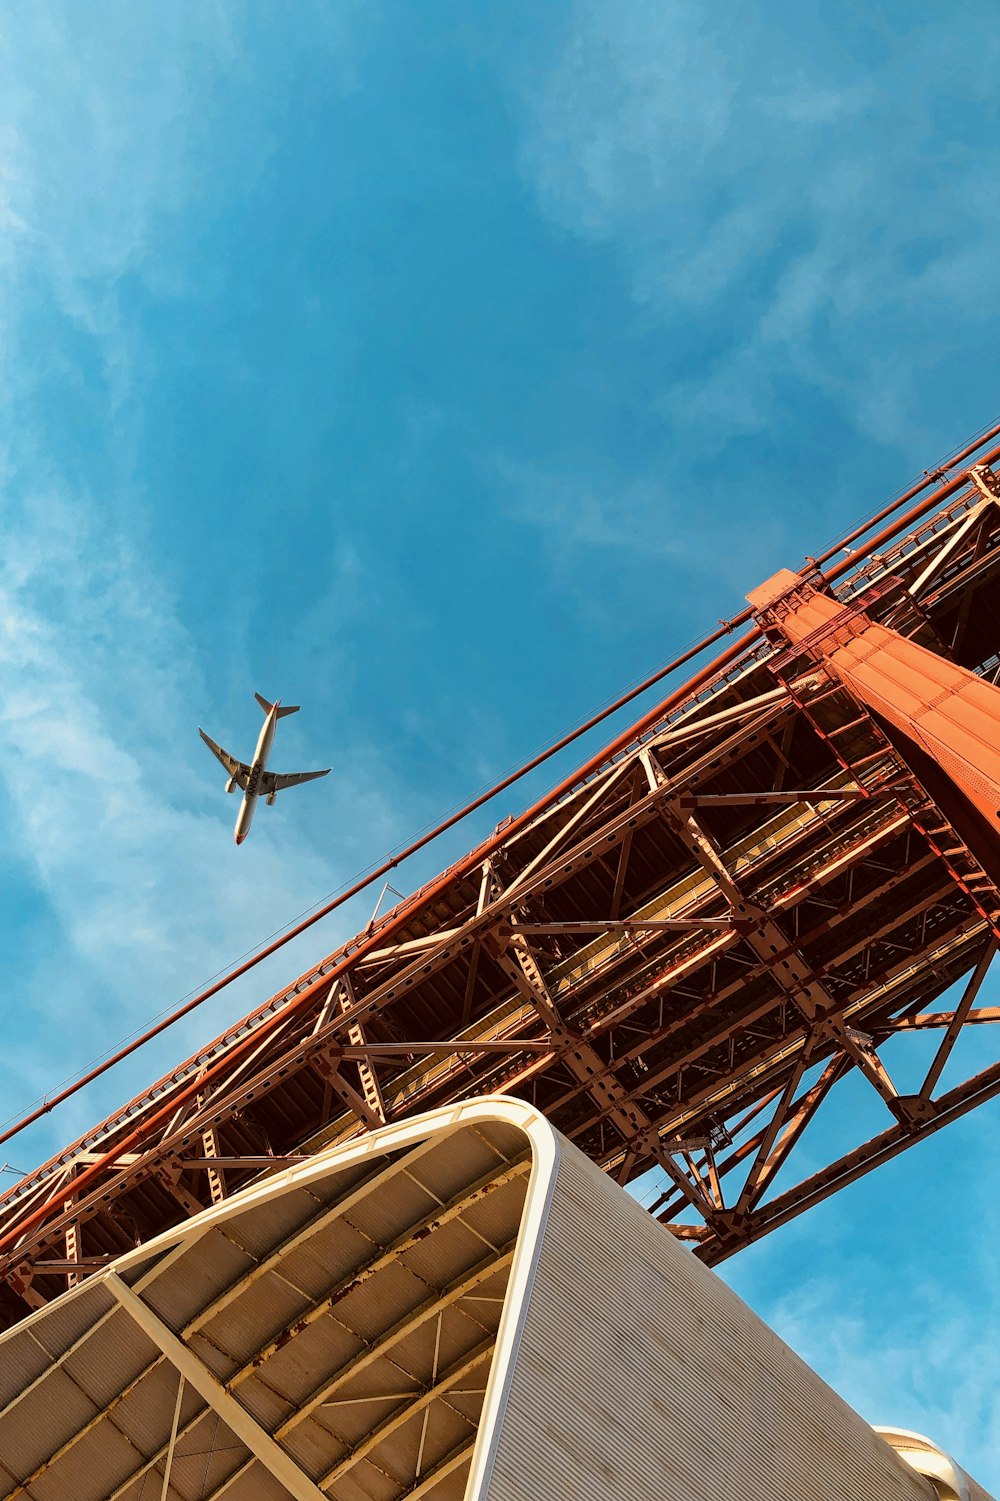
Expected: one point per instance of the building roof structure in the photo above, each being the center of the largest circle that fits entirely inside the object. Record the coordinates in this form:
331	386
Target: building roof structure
459	1305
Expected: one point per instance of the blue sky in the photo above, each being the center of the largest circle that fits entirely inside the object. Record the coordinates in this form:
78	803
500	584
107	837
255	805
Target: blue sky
446	368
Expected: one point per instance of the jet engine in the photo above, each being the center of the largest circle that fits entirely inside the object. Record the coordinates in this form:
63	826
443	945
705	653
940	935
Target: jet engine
231	785
270	799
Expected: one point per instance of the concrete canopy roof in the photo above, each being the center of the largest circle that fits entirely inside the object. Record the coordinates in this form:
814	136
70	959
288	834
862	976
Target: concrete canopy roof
327	1333
460	1306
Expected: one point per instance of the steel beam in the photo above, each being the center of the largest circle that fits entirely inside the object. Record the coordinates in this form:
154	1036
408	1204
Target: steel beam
260	1443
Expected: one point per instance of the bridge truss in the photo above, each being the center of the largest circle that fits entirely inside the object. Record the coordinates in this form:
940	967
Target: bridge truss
677	958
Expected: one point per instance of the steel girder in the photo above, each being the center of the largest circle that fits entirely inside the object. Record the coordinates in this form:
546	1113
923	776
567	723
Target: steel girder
678	962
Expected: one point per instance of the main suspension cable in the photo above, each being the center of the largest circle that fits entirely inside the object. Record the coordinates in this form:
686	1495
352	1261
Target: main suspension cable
377	874
725	628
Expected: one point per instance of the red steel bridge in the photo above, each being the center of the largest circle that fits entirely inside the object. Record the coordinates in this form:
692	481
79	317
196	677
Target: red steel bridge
677	954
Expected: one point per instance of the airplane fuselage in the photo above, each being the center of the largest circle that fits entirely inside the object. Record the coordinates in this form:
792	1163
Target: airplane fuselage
257	768
253	779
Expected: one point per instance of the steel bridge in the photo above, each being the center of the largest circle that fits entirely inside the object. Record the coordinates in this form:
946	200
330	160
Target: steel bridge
676	955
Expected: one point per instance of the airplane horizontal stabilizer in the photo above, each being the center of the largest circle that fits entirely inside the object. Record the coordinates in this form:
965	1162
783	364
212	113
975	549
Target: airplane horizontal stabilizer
285	708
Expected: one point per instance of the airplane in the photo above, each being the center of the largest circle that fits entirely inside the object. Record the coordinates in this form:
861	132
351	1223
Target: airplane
255	780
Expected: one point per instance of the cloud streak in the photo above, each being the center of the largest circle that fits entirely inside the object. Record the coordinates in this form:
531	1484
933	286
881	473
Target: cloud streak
125	890
112	813
932	1366
814	183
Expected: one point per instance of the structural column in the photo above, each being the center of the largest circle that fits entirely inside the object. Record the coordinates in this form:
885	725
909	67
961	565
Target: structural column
952	715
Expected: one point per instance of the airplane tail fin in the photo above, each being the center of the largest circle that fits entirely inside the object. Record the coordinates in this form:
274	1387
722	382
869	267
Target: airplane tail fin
285	708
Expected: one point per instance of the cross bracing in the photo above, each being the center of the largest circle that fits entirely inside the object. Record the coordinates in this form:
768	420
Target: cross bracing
679	961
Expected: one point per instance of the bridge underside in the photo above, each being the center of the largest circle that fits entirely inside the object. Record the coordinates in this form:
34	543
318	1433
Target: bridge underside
772	888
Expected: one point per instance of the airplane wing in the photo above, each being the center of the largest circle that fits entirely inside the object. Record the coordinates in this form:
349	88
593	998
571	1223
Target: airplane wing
237	769
273	781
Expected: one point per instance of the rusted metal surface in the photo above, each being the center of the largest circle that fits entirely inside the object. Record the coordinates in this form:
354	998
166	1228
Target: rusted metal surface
762	887
181	1368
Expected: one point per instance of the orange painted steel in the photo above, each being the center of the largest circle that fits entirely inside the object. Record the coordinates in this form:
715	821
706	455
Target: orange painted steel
951	713
921	508
427	894
760	920
726	627
404	913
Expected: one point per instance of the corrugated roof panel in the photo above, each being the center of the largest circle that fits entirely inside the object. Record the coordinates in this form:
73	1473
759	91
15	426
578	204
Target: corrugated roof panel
345	1422
25	1358
327	1256
459	1249
318	1443
452	1487
343	1251
468	1399
67	1319
316	1353
205	1447
257	1484
377	1302
371	1381
214	1361
266	1309
91	1469
197	1279
416	1442
142	1261
377	1486
453	1248
146	1413
110	1360
44	1421
383	1216
207	1457
265	1402
461	1331
337	1250
263	1225
48	1335
461	1158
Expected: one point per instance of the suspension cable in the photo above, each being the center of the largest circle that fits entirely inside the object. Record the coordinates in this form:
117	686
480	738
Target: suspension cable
725	628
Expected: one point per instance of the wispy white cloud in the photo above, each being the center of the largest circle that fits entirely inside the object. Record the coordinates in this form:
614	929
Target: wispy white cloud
110	132
113	813
116	830
626	530
819	186
932	1367
591	514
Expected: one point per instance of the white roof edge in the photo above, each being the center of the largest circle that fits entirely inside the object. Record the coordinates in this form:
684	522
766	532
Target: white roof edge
390	1138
